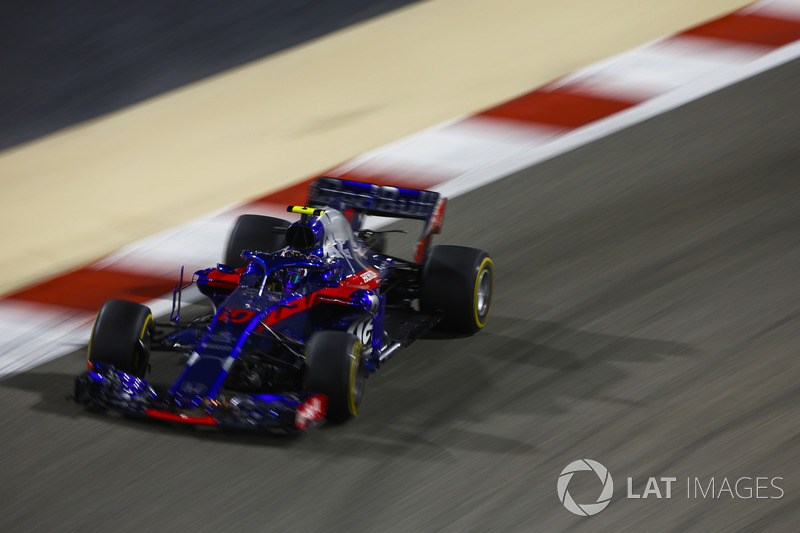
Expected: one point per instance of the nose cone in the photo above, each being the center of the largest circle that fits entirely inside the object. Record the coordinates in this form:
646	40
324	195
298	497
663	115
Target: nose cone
197	381
185	398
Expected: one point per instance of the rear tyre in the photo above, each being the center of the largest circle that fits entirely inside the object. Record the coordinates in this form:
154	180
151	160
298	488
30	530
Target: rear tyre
459	281
121	337
254	232
334	367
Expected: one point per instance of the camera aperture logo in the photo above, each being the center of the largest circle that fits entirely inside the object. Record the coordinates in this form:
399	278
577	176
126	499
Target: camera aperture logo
585	509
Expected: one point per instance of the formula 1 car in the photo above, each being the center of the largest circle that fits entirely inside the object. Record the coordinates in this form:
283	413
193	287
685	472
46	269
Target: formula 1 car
303	312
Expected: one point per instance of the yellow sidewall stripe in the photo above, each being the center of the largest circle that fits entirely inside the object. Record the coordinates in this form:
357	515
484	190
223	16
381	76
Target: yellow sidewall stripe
144	328
486	264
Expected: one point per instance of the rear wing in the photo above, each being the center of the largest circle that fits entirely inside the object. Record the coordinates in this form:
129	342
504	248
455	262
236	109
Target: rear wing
370	199
375	200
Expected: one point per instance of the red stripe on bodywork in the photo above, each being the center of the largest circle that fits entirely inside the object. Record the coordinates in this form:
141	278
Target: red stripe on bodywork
206	420
89	289
304	304
328	295
750	29
223	280
557	108
366	279
339	295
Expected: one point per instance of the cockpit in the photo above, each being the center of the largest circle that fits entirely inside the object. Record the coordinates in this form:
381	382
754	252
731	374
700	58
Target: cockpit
321	250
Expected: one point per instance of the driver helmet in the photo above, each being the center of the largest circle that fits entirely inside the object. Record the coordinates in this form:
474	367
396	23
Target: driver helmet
294	276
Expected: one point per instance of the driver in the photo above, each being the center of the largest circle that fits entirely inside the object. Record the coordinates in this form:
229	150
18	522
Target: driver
293	277
288	279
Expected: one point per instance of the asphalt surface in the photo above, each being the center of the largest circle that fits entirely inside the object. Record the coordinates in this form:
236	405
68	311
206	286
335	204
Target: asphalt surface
646	316
66	62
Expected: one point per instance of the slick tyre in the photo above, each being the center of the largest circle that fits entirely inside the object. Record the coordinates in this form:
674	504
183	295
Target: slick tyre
334	367
254	232
459	281
121	337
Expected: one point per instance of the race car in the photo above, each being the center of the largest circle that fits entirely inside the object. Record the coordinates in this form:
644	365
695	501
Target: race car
302	313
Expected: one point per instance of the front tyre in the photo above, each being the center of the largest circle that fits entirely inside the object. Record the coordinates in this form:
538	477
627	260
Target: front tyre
459	281
255	233
334	367
121	337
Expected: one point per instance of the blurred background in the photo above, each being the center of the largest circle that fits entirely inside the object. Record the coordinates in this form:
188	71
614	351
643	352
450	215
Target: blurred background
65	63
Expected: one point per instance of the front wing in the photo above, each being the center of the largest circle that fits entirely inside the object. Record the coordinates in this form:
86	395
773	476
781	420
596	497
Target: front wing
105	387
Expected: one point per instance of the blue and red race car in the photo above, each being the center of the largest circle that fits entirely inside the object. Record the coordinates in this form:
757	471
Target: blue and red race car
303	312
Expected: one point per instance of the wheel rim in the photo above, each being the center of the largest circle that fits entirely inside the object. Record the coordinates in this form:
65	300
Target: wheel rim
356	379
484	296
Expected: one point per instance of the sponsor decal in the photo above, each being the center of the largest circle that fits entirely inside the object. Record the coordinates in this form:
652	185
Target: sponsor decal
311	411
368	275
363	330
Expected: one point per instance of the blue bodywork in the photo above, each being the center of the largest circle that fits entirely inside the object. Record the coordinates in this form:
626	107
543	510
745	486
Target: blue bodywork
245	364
